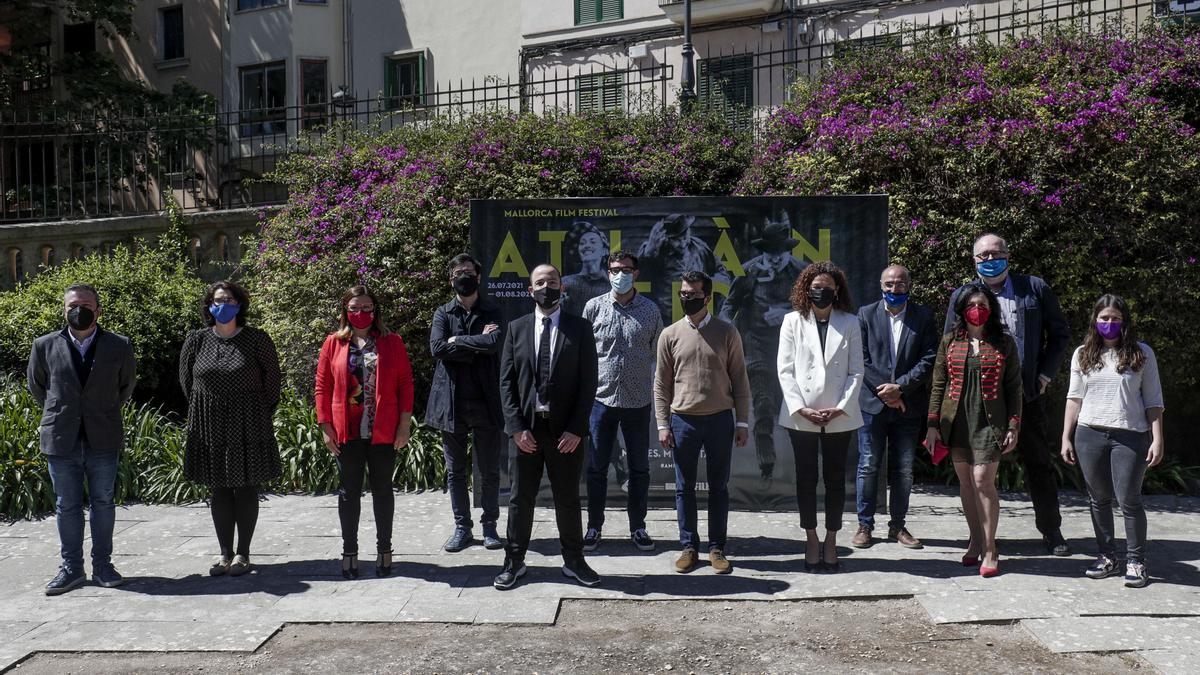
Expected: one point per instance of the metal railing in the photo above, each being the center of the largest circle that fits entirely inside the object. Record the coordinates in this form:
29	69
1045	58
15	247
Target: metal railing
56	166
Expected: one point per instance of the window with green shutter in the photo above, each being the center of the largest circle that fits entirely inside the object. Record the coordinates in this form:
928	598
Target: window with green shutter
726	84
404	81
595	11
600	92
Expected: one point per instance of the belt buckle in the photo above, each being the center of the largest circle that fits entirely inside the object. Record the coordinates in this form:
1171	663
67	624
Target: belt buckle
542	414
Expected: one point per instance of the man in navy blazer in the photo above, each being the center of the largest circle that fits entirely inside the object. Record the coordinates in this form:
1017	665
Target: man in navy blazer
81	376
1031	314
900	340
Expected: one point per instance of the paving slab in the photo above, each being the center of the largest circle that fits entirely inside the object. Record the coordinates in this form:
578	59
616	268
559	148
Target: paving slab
1116	633
1172	661
171	603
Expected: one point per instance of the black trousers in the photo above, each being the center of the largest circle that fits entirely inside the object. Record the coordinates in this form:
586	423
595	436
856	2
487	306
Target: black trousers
234	509
380	463
1040	477
833	448
564	470
489	443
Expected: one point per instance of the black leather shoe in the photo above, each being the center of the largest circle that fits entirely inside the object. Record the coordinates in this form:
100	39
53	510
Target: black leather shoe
349	565
459	540
509	575
491	538
64	581
383	564
579	571
1055	544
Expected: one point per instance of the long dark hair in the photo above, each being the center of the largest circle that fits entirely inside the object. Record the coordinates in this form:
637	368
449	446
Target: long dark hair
993	329
1129	352
800	301
345	330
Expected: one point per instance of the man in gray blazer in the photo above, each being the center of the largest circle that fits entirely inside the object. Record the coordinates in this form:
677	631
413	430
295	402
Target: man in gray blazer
900	340
82	376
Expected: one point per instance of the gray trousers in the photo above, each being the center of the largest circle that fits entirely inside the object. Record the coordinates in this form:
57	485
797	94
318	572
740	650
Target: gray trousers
1113	463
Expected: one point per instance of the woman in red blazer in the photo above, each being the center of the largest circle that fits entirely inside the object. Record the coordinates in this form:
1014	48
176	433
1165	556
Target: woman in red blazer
364	398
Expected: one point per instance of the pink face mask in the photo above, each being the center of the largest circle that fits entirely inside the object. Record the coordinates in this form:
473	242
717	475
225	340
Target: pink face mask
976	315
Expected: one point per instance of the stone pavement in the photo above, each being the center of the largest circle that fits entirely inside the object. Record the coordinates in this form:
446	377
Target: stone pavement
170	604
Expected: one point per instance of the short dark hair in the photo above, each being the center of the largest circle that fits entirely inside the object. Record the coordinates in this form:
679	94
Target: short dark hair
238	293
83	288
618	256
464	258
696	276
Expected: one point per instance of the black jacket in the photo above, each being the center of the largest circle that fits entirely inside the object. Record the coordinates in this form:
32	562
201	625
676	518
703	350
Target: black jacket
914	359
471	354
573	376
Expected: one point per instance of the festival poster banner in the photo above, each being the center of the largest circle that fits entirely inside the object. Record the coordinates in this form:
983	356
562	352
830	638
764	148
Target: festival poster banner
752	247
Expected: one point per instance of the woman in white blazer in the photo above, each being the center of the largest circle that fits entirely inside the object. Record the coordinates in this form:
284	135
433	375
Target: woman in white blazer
820	371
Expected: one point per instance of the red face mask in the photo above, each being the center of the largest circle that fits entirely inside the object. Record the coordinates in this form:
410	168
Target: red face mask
976	315
361	320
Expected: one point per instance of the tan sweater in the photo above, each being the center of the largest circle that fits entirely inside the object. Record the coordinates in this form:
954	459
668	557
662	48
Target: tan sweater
701	372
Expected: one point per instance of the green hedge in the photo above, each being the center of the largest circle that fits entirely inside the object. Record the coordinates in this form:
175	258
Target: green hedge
152	464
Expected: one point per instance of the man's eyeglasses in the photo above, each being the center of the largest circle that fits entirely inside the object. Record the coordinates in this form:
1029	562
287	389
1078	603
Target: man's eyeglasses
688	295
461	274
622	268
892	285
991	255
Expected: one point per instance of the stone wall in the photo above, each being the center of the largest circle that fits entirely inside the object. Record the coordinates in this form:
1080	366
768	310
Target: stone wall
217	241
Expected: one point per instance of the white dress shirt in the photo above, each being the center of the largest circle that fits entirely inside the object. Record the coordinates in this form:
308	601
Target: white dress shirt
897	324
539	314
82	346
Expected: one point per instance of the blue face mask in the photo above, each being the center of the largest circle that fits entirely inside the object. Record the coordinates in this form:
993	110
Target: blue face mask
895	299
622	282
224	313
993	268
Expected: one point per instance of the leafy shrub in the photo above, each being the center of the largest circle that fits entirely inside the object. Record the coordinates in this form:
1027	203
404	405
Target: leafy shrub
25	488
1081	150
390	210
150	295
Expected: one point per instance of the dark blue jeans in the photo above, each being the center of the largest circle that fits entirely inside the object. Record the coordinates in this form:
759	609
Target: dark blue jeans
711	435
898	437
634	424
68	473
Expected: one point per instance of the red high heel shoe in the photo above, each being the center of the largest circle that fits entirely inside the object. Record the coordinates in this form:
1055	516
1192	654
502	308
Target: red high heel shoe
988	572
970	560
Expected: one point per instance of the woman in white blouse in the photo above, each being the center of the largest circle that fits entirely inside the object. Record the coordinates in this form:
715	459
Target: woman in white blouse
1113	428
820	371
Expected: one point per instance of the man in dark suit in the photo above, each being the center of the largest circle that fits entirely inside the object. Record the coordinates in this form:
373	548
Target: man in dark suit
1031	314
81	376
900	340
464	400
548	377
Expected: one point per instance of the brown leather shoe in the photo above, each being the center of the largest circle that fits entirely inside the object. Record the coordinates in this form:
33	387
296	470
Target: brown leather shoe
687	561
720	564
862	538
905	538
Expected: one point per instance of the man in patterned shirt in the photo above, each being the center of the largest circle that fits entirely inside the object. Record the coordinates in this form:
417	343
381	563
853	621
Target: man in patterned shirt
627	325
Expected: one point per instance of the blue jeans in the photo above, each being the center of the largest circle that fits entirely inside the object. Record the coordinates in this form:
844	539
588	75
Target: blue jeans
635	429
898	437
68	473
712	434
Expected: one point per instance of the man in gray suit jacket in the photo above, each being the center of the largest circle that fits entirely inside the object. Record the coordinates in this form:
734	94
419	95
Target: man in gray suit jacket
900	340
82	376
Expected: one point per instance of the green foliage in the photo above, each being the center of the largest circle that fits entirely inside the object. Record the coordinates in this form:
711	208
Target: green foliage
25	488
391	209
148	294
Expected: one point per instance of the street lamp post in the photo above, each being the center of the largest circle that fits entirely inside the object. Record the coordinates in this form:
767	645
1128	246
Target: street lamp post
687	97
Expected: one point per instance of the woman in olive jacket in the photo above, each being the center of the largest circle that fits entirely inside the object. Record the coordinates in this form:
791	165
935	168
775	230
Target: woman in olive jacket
975	409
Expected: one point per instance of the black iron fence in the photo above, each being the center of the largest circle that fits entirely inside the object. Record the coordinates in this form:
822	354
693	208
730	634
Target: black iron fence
56	166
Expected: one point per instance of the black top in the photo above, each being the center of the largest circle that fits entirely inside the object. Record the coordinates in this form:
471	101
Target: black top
468	369
233	386
822	329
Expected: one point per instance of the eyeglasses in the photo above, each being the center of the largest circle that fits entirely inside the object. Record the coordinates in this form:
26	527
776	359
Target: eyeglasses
688	295
891	285
991	255
462	274
360	309
622	268
225	301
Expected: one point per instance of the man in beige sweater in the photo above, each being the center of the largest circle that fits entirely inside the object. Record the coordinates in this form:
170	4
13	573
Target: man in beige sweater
702	402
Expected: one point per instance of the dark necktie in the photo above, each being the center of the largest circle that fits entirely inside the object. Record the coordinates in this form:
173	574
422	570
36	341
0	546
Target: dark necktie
543	364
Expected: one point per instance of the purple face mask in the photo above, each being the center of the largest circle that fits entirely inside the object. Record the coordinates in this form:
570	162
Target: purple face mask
1109	330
